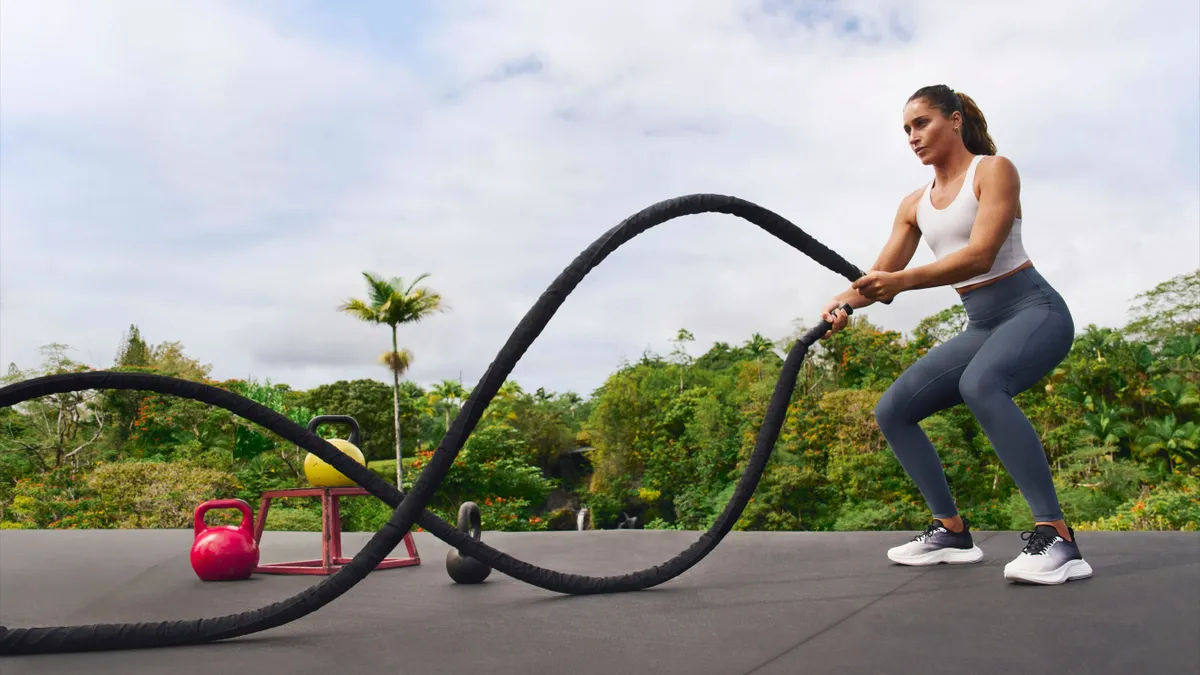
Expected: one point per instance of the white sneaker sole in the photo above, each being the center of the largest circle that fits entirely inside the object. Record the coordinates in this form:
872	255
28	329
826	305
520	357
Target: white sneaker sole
1073	569
949	556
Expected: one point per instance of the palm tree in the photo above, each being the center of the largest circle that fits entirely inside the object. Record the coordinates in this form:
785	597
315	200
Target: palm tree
1180	443
391	302
758	347
450	394
1105	422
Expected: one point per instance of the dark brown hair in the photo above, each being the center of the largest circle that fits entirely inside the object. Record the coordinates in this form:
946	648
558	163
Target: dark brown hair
974	130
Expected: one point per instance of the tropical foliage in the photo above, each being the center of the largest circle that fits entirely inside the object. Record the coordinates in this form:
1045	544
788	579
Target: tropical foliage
663	438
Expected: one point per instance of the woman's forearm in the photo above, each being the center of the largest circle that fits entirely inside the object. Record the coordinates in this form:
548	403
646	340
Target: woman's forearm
958	266
855	299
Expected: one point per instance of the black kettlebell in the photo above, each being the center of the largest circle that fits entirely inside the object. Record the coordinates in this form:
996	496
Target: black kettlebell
463	568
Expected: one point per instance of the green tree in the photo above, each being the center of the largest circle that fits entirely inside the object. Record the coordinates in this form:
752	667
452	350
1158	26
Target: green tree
59	427
934	330
1180	354
545	425
759	348
1168	439
862	356
172	428
369	402
1174	393
719	357
132	355
448	395
168	358
1170	308
391	302
1105	422
680	355
251	440
133	350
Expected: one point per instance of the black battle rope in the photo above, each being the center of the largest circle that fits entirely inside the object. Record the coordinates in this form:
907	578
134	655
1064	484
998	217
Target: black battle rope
410	508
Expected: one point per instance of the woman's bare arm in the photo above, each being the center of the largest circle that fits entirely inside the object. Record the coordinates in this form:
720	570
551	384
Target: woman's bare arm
897	252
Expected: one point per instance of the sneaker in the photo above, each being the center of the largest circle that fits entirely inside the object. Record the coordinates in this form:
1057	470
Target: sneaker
1048	558
938	545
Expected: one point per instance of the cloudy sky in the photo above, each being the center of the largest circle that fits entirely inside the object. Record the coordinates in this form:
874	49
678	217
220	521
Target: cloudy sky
220	173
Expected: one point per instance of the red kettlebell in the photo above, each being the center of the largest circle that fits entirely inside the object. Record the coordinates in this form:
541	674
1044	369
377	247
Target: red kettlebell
224	552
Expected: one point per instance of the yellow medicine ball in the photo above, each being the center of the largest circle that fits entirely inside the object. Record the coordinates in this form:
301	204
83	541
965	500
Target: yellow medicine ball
321	474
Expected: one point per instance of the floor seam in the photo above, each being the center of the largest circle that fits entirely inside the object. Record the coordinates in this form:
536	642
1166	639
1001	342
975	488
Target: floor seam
846	618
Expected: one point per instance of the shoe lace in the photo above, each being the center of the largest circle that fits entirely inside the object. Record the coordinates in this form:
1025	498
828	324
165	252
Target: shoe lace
929	532
1039	542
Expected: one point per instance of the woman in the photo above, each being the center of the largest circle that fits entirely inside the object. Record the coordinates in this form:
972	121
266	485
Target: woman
1019	328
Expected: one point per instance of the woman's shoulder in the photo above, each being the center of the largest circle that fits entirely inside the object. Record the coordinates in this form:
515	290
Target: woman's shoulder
991	168
909	204
915	196
992	165
912	199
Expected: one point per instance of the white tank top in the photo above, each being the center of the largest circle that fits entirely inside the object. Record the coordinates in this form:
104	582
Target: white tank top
948	230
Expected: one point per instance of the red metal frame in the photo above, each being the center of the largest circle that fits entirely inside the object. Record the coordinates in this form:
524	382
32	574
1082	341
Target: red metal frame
331	534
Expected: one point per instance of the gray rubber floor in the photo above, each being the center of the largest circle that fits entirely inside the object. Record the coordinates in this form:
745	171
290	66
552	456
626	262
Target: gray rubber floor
760	603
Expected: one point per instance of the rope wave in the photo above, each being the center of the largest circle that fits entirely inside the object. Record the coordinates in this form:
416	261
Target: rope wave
409	509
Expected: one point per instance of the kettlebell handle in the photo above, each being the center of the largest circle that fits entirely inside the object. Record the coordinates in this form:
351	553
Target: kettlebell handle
247	516
336	419
470	521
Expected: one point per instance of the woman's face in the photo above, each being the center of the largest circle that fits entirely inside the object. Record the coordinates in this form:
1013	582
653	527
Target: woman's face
931	134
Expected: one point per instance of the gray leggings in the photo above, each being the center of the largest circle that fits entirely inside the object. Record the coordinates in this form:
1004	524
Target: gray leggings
1018	329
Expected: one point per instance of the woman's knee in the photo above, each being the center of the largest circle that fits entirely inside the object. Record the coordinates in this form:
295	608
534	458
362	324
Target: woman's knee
977	385
889	411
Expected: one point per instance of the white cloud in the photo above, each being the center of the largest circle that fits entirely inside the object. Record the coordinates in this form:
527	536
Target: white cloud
222	181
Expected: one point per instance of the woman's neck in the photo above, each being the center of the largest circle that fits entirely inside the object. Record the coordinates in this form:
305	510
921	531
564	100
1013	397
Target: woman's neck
953	167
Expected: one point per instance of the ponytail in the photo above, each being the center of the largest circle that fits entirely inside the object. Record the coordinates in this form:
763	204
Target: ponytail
974	128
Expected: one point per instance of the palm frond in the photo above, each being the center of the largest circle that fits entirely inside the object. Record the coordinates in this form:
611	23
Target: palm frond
359	309
378	289
394	301
412	308
398	282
